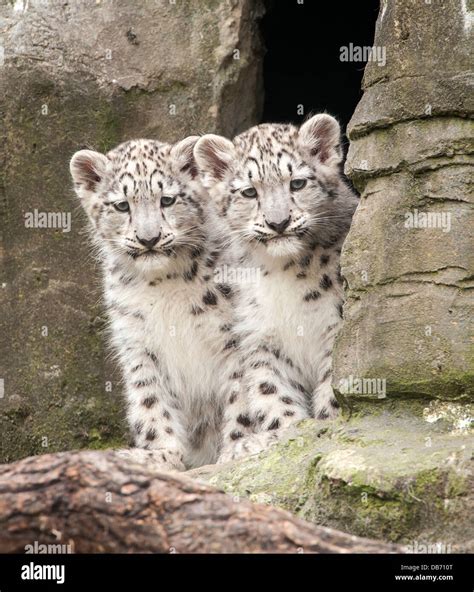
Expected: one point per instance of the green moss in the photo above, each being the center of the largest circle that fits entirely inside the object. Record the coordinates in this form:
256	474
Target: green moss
109	127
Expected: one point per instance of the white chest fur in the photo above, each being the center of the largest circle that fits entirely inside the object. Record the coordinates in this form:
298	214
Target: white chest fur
278	309
159	318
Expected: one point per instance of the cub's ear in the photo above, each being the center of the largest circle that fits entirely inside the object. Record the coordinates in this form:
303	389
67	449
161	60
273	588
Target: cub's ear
182	153
88	168
214	156
320	137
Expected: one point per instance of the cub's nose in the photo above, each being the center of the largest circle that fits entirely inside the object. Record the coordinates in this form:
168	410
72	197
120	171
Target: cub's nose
149	243
279	226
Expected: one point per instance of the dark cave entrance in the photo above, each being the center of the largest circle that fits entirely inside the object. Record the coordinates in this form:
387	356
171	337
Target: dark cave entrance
302	66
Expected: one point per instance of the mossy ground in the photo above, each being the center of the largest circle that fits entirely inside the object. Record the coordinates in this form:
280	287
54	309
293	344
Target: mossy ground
393	474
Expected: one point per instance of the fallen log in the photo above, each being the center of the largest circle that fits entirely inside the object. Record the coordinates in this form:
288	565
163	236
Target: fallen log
103	502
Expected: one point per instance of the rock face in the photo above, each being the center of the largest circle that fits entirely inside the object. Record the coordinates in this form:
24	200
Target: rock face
408	259
92	73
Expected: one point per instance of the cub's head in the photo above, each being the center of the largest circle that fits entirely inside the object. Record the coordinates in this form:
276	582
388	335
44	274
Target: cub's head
278	186
143	199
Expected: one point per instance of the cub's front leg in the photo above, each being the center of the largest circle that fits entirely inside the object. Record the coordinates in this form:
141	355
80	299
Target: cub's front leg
153	413
324	403
264	401
239	437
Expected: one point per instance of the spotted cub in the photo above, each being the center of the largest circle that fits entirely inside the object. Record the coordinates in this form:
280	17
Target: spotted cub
282	196
159	245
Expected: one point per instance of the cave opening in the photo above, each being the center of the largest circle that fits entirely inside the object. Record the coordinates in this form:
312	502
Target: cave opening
303	70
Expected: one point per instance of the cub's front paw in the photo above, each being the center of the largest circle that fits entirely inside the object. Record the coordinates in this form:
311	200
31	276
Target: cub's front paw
161	459
325	405
252	444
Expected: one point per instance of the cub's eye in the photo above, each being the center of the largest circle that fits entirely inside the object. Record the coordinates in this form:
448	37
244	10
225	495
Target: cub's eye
167	200
121	206
249	192
297	184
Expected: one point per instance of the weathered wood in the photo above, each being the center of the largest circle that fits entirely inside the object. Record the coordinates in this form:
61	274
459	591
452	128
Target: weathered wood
106	502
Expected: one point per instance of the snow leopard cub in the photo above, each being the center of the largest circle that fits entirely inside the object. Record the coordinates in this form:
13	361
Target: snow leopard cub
280	190
169	318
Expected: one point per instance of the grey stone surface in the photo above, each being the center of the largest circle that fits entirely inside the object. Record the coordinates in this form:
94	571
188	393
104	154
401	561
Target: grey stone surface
408	316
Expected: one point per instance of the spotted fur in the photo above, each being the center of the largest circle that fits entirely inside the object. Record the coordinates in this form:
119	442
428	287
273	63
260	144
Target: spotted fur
170	321
281	194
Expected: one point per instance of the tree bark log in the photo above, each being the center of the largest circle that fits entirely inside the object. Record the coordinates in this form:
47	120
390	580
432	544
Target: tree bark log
103	502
